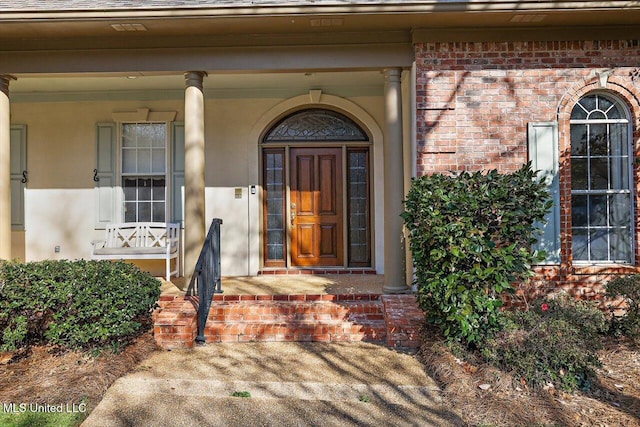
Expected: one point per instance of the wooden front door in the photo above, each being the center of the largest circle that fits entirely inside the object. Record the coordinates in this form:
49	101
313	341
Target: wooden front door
316	211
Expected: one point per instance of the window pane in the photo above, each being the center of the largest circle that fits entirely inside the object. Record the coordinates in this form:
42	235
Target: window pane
144	161
578	112
129	161
358	204
599	174
579	174
619	173
598	140
145	135
604	104
275	251
275	237
274	199
144	211
597	210
621	245
618	137
129	186
158	211
599	244
588	102
579	211
158	161
578	140
615	113
159	137
128	136
159	189
130	212
620	210
144	189
580	246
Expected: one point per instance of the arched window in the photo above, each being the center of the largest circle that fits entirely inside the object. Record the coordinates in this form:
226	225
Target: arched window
316	124
601	181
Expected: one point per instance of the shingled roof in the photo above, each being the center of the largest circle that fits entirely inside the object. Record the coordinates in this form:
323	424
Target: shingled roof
93	5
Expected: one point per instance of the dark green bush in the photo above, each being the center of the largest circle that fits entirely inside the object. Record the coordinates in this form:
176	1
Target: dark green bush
74	304
554	342
626	289
470	238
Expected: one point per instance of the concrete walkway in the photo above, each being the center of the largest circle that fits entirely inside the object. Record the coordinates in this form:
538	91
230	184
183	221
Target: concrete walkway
290	384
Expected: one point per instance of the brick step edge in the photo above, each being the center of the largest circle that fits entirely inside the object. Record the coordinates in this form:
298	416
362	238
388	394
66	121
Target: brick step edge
317	332
176	324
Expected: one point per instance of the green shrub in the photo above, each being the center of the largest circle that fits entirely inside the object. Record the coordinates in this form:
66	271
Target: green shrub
74	304
554	342
470	238
626	288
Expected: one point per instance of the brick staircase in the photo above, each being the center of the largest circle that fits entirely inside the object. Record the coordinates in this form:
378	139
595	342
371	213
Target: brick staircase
392	320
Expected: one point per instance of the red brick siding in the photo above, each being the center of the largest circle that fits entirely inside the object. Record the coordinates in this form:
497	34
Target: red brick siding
474	101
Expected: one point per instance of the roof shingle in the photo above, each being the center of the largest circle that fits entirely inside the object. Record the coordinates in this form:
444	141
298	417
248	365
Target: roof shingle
93	5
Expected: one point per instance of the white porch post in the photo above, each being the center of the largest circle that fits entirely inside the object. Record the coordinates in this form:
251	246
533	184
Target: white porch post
5	167
194	211
394	277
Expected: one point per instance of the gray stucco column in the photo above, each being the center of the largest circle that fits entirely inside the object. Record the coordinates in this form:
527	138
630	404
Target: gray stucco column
5	168
194	186
394	277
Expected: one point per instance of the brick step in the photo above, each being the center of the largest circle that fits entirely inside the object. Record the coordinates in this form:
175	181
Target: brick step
295	331
394	320
294	311
296	320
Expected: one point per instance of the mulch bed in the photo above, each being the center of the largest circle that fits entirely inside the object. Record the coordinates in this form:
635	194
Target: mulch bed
613	401
46	375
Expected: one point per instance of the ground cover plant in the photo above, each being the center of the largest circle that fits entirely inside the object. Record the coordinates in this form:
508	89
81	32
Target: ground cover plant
554	343
624	292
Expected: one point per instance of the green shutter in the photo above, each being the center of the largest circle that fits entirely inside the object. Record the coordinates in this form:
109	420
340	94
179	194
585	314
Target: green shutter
105	174
543	154
177	172
18	155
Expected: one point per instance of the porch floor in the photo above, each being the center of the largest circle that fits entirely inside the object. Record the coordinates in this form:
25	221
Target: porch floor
330	284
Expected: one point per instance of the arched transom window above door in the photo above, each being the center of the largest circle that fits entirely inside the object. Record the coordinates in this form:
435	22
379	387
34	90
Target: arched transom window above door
315	124
601	181
316	184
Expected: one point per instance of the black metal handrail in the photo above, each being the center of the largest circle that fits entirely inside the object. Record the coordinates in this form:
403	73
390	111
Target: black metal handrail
206	276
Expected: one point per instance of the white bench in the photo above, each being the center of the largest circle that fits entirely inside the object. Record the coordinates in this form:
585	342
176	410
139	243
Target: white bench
141	240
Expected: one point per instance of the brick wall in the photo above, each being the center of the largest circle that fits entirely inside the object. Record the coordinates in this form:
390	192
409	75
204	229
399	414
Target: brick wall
474	101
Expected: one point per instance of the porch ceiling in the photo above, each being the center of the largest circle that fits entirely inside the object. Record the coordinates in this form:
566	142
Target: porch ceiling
79	83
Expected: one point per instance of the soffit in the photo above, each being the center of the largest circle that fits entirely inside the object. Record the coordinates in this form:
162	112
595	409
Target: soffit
322	23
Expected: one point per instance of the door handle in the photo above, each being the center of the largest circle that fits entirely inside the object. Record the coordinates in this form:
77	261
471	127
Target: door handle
293	213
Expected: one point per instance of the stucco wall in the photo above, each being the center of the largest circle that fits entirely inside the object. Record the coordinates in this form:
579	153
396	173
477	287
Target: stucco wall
60	200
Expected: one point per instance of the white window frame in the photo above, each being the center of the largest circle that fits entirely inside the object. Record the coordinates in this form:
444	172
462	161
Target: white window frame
167	167
631	158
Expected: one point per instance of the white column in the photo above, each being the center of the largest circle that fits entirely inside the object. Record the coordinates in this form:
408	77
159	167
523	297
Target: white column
5	168
394	275
194	203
